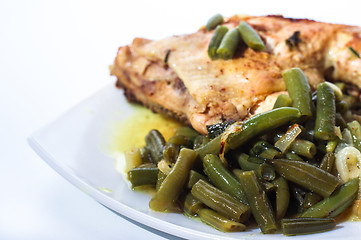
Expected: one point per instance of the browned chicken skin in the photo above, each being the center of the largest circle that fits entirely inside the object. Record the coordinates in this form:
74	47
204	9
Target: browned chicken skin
201	91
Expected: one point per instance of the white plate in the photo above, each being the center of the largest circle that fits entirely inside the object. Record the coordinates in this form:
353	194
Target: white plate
75	146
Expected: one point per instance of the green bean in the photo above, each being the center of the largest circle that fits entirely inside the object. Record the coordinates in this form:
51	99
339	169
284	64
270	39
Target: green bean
331	145
286	141
299	90
222	178
283	100
145	153
200	141
194	177
262	170
282	197
180	140
327	162
262	123
310	200
187	132
212	147
264	150
219	222
160	178
341	106
258	201
214	21
341	198
170	152
298	195
168	193
250	36
293	156
304	148
306	175
216	40
192	205
155	143
326	113
145	174
336	90
296	226
219	200
229	44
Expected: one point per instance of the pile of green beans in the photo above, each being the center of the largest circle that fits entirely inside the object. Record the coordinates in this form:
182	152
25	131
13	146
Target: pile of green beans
225	42
276	169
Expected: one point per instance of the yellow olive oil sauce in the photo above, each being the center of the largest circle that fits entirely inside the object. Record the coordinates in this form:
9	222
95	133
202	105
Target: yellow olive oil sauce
131	131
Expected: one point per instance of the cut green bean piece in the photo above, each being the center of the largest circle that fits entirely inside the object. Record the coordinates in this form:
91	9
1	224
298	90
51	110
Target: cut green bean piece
214	21
282	197
306	175
337	91
155	143
327	162
262	170
212	147
304	148
250	36
325	113
293	156
341	198
187	132
145	174
219	200
262	123
180	140
283	100
299	90
222	178
219	222
170	152
264	150
194	177
310	200
216	40
160	178
192	205
166	196
133	158
297	226
229	45
258	201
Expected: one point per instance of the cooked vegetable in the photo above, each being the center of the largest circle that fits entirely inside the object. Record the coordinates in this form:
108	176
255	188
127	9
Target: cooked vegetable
250	36
286	141
192	205
326	113
304	148
219	222
342	198
222	178
299	90
282	197
296	226
145	174
214	21
283	100
168	192
218	200
155	143
306	175
216	41
261	123
229	45
258	201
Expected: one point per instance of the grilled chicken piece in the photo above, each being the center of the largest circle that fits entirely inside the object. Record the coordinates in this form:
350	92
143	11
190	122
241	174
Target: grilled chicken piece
200	91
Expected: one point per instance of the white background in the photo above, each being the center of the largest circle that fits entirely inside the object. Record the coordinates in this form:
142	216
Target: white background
53	54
